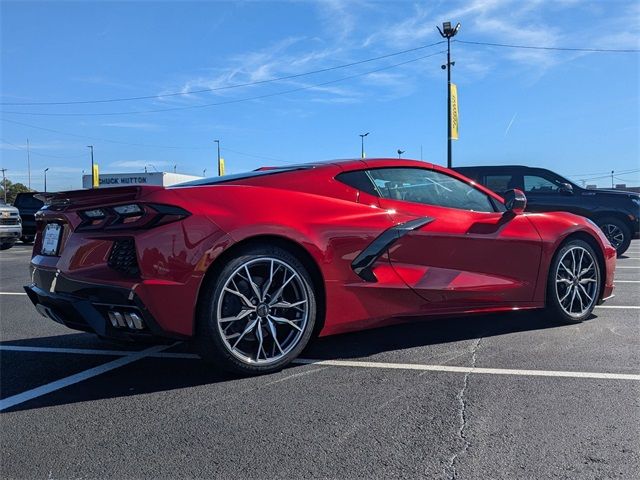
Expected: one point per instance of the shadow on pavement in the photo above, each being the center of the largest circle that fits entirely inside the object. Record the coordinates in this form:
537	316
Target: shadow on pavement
151	375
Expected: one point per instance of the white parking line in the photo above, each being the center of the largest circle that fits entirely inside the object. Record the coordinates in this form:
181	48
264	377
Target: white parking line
626	281
95	351
78	377
618	266
12	293
620	307
487	371
129	357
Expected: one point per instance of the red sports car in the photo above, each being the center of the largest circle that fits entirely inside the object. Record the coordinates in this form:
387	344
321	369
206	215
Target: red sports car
252	266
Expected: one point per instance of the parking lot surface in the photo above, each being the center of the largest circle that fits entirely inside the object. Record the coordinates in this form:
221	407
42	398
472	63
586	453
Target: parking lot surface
502	396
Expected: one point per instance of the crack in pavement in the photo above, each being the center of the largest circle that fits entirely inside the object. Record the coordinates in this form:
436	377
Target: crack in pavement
462	415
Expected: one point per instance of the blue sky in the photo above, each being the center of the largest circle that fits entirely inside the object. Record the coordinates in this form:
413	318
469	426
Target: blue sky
576	113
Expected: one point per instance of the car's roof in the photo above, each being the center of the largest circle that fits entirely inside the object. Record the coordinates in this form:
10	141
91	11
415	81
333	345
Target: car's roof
498	167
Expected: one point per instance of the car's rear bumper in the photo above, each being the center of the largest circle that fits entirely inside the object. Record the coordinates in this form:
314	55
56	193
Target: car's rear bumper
87	307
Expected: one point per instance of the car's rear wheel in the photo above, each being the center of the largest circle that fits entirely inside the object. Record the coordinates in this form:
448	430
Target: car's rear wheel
574	282
617	232
257	313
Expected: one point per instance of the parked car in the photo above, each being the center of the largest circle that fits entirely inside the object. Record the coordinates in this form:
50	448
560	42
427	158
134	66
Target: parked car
10	226
251	266
616	212
27	204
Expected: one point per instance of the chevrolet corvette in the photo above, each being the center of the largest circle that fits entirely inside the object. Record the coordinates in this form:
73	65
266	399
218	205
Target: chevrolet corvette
250	267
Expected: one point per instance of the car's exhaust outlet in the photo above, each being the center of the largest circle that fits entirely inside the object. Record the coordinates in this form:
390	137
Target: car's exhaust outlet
129	320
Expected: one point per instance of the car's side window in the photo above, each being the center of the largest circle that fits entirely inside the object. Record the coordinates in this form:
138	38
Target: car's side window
499	183
358	179
421	185
537	184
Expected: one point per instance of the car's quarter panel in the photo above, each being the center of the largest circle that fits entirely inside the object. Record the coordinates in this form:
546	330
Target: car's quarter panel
332	230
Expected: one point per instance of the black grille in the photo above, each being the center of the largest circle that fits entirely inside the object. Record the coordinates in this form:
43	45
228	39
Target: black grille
8	221
123	257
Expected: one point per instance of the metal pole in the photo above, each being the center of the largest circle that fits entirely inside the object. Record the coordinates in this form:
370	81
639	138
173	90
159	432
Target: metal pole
28	165
449	164
219	171
4	184
612	179
91	148
45	179
362	147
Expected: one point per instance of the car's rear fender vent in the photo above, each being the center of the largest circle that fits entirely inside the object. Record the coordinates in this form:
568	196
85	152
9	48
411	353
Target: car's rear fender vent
122	257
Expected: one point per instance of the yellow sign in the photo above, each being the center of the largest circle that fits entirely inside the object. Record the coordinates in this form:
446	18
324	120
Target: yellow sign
95	176
221	166
454	112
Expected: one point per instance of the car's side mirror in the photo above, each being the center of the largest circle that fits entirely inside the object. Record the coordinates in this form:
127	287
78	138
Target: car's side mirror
566	188
515	201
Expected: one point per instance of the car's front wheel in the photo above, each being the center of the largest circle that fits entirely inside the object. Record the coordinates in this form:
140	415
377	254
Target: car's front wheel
257	313
574	282
617	232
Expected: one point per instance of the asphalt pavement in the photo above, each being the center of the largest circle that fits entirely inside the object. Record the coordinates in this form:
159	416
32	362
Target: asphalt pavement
497	396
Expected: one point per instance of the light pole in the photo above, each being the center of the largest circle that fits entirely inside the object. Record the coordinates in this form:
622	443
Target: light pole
28	165
400	152
90	147
448	32
45	179
4	184
204	172
219	171
362	135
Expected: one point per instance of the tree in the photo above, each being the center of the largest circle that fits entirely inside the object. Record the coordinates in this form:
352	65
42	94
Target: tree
13	189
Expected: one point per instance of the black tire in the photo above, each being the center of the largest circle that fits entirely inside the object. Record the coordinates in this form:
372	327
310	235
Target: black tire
209	342
613	229
6	245
556	291
26	240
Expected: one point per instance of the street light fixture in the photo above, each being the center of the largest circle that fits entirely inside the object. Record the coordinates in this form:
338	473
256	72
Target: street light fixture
448	32
362	135
45	178
400	152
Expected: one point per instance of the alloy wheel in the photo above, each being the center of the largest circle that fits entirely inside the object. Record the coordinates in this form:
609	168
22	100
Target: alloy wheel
577	281
263	309
614	234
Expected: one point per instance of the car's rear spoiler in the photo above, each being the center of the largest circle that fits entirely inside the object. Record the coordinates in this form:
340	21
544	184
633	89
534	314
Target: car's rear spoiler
102	196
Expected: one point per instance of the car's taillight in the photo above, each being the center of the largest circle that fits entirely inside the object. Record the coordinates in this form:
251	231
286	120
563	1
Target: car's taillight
130	215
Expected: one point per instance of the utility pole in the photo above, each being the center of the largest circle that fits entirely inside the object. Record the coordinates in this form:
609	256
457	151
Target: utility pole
362	135
45	179
448	32
219	170
28	165
612	179
90	147
4	184
400	152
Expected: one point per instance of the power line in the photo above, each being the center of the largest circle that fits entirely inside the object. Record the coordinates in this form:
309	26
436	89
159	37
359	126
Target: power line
228	87
117	142
229	102
564	49
40	154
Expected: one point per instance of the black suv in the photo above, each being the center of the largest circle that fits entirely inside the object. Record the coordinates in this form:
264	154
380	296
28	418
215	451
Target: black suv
616	212
27	205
